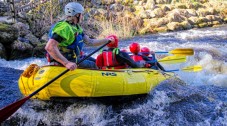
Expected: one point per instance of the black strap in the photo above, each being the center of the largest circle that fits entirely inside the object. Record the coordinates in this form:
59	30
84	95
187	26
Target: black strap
57	37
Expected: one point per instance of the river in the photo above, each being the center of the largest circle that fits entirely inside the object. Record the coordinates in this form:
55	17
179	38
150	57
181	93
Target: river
196	98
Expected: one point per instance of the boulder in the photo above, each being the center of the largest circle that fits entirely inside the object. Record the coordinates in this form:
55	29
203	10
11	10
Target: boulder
167	7
151	23
161	29
180	6
3	8
144	30
210	18
223	13
203	19
150	13
33	39
24	28
106	2
174	26
143	14
186	25
193	20
127	2
161	21
175	16
44	38
150	5
116	7
194	5
8	34
2	51
182	12
225	20
202	12
202	25
216	23
39	50
191	12
213	11
159	12
163	1
20	50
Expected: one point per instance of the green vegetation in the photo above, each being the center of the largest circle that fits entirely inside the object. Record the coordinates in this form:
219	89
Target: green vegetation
121	29
3	27
124	24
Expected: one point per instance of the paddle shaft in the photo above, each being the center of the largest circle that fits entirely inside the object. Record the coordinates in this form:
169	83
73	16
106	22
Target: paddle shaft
183	52
161	52
172	70
48	83
10	109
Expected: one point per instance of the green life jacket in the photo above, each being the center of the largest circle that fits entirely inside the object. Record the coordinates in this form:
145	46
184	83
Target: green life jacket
72	43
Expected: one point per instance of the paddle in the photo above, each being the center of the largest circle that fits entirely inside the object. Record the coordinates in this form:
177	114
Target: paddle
173	59
170	60
188	69
10	109
181	52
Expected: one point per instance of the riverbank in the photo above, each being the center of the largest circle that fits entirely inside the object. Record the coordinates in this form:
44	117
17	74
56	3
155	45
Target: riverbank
101	18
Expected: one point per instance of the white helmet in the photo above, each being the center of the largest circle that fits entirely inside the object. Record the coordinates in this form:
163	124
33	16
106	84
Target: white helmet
73	8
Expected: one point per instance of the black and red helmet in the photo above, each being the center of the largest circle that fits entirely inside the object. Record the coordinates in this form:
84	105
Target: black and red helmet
145	51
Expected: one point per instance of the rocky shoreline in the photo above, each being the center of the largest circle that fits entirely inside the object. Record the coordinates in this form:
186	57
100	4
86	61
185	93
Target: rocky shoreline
20	40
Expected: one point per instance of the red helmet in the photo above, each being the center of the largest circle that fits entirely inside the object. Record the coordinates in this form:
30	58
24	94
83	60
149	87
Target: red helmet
134	48
115	44
145	51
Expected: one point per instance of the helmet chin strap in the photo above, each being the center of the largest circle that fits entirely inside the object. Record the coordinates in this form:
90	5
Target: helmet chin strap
78	18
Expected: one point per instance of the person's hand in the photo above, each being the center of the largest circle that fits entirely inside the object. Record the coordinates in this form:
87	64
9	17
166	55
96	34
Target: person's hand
147	65
142	63
70	65
111	39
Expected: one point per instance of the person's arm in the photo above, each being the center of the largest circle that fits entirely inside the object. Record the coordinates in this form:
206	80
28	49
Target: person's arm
52	48
145	58
95	42
153	61
123	57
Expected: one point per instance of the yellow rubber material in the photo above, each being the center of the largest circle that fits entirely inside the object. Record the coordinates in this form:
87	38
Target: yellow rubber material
90	83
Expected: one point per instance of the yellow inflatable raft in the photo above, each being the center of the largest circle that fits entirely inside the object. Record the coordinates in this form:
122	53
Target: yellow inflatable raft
89	83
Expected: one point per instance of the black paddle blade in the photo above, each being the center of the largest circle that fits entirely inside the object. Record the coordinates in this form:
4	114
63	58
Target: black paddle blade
7	111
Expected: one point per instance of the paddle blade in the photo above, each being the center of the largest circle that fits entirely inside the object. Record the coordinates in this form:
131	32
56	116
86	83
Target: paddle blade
193	68
7	111
173	59
182	52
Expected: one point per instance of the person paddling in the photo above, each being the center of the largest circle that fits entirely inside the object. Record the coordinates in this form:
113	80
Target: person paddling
113	58
135	49
145	53
66	39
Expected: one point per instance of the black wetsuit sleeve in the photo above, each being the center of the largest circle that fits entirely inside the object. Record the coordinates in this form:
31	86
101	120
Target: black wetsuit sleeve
57	37
123	57
145	58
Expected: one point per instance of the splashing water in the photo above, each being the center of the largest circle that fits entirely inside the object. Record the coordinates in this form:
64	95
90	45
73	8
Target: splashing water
193	99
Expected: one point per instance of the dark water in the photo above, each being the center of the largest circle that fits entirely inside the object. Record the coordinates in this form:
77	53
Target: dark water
9	90
191	99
